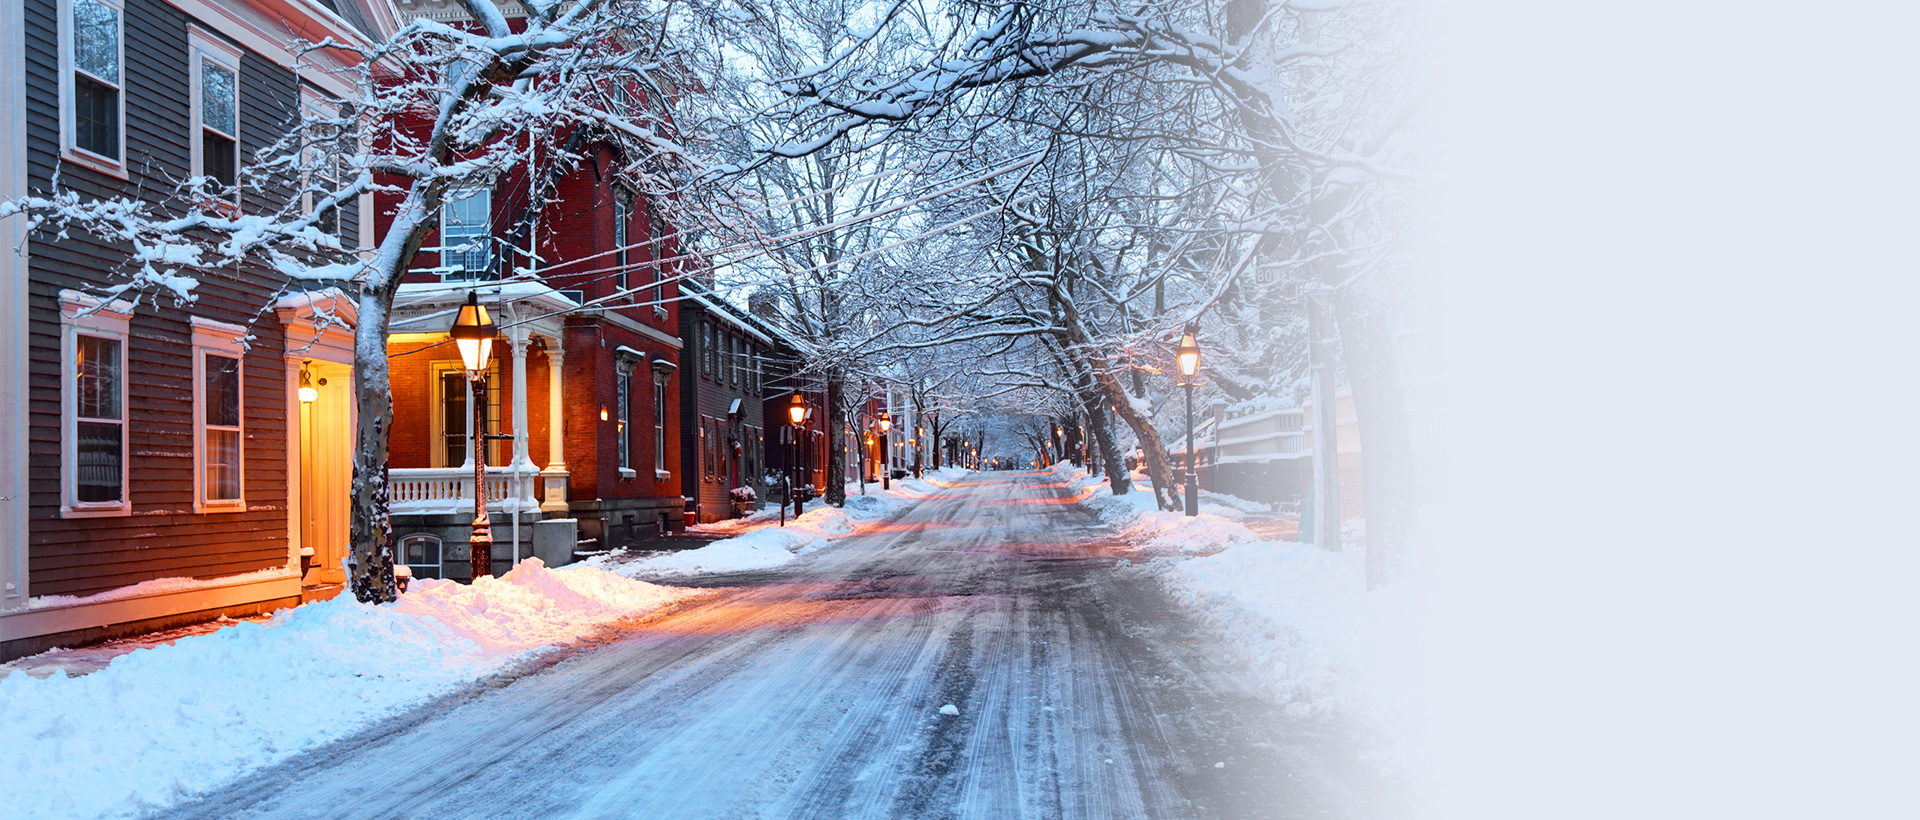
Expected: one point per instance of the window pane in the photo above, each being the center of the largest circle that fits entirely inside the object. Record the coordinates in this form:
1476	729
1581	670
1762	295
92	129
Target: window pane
97	379
217	99
223	465
464	232
217	157
96	117
97	467
453	419
96	39
222	398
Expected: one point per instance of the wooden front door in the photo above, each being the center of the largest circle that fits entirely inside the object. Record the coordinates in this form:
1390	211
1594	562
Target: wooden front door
326	470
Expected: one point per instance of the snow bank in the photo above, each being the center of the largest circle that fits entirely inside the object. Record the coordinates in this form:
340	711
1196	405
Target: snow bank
160	724
1299	616
765	545
1141	521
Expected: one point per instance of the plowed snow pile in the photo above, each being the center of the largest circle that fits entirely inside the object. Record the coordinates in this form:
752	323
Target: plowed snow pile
162	723
1299	616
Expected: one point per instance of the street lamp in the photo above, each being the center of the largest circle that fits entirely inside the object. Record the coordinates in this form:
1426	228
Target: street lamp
473	333
1189	355
886	466
797	416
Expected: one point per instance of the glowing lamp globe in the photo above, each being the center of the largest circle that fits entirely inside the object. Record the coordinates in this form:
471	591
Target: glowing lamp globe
886	422
1189	354
797	410
473	332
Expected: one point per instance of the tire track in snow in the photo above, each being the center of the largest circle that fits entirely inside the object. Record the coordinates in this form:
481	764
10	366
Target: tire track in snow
810	692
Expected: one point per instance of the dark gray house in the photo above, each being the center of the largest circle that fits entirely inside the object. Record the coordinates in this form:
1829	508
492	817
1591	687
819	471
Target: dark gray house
153	470
723	424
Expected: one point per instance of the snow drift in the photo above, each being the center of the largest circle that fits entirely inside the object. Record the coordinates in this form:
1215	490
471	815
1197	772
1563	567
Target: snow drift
1299	616
160	724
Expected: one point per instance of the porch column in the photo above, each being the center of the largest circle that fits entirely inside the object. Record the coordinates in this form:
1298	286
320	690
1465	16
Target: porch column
556	428
518	338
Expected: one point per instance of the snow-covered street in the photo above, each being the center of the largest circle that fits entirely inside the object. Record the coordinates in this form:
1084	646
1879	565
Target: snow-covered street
822	688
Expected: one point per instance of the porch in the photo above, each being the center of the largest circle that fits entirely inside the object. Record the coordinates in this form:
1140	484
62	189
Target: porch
433	427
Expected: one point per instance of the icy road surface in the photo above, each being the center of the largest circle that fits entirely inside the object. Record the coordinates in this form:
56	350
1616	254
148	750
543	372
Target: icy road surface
818	691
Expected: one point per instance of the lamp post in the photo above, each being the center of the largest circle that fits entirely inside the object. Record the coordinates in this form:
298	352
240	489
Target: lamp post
473	333
886	463
1189	355
797	416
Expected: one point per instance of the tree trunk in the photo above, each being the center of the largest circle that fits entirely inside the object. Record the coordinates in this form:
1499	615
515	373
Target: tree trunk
371	563
1116	465
836	489
1388	476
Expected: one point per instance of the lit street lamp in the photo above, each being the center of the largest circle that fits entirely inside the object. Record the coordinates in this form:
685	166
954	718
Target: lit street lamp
797	415
473	333
1189	354
886	466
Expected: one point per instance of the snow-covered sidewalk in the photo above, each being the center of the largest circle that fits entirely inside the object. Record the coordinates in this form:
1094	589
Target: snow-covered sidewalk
162	723
763	543
1301	617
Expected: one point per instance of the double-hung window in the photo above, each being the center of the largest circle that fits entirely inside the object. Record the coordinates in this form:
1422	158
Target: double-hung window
218	413
465	237
215	73
327	138
622	217
654	249
92	83
660	424
94	406
623	412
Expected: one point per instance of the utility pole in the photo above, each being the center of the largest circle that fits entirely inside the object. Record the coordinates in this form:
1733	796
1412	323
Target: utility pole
1326	443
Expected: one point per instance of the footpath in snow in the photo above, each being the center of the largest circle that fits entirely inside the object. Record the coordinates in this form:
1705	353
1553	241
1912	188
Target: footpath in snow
764	544
162	723
1299	616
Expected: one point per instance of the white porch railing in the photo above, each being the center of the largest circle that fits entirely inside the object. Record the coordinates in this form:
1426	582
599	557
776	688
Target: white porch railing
449	490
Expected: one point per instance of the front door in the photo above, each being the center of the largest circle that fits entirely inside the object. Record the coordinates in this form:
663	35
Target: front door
326	469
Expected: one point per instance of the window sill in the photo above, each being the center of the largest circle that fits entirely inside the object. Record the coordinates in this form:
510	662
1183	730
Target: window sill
122	511
627	475
212	507
662	475
88	159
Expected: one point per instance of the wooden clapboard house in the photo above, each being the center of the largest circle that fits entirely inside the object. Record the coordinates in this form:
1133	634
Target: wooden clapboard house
158	466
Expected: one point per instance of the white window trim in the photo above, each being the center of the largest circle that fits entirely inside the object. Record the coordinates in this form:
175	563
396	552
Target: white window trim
222	339
660	427
622	236
202	46
81	312
485	236
437	421
312	100
623	417
439	549
112	166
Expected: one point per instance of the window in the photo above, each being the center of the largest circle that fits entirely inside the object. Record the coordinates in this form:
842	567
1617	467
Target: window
465	237
622	215
623	396
327	141
421	553
455	414
216	108
654	249
711	359
733	361
706	447
218	412
92	53
660	423
94	406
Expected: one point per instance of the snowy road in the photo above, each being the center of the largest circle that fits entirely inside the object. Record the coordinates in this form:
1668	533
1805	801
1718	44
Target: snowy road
816	692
